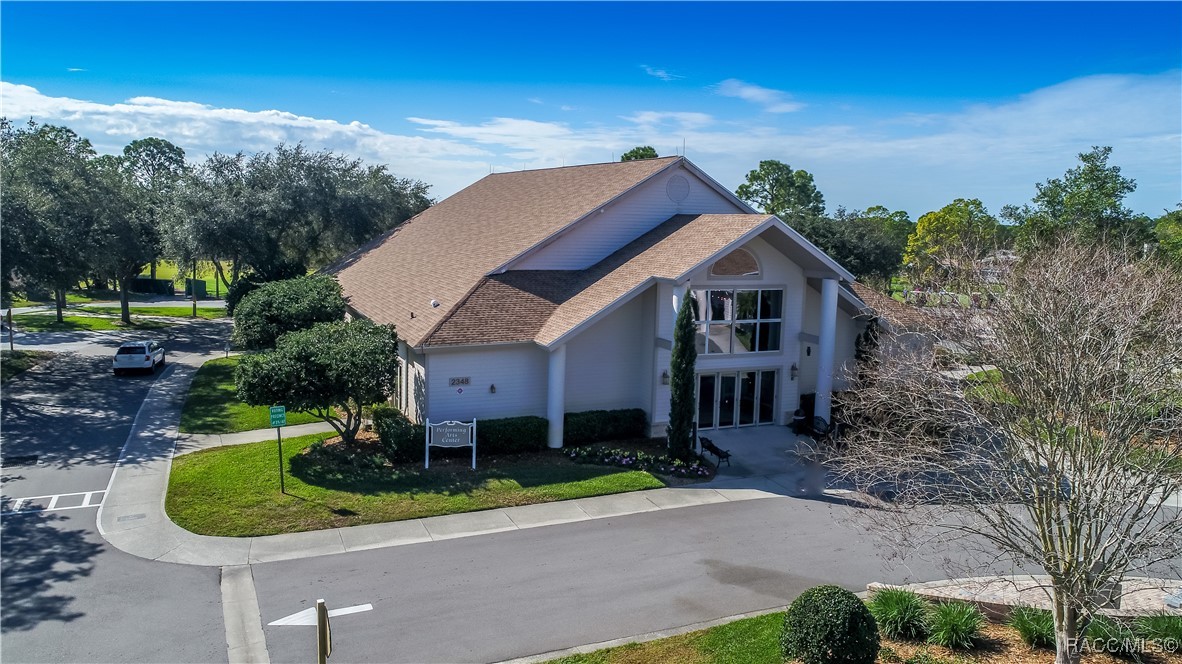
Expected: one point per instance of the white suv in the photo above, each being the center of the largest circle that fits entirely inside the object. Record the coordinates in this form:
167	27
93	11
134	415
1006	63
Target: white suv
138	356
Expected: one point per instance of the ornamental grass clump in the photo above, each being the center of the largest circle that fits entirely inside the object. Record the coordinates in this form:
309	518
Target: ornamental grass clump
955	625
1112	636
1162	629
1036	627
901	614
828	624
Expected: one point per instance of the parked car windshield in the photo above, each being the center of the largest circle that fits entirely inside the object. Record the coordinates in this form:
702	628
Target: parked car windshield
132	350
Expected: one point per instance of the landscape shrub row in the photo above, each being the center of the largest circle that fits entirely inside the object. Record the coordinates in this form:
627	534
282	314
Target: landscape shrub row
601	426
403	441
152	286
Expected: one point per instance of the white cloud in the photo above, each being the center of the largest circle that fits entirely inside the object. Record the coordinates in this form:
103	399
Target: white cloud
201	129
680	120
915	160
660	73
535	100
74	69
772	101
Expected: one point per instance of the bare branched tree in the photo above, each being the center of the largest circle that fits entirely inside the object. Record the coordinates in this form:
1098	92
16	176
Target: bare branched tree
1061	453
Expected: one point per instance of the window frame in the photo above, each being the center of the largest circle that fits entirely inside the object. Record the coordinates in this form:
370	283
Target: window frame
703	326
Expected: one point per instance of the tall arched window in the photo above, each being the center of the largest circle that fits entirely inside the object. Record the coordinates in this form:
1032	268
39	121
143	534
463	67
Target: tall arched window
738	263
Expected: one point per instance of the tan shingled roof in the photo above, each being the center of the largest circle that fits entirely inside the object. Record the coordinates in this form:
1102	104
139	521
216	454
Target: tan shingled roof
445	252
543	305
904	317
507	307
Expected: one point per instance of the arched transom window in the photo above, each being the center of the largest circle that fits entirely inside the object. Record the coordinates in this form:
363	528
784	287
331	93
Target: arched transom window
738	263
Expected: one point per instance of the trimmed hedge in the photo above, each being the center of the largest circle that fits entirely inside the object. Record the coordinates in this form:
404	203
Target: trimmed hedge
511	435
827	625
152	286
599	426
403	441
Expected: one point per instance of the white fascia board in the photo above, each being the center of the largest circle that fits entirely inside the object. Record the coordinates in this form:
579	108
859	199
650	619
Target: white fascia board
425	350
843	273
550	239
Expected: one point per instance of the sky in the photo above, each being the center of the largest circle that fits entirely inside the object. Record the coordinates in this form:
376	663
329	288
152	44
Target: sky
906	105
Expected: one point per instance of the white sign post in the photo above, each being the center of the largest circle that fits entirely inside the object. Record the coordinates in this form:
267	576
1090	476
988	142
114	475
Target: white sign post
450	434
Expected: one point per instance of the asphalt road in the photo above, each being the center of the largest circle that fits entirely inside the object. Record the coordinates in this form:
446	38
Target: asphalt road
67	596
519	593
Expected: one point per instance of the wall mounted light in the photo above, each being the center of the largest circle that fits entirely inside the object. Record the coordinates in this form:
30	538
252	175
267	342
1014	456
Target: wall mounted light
808	350
794	372
492	389
665	377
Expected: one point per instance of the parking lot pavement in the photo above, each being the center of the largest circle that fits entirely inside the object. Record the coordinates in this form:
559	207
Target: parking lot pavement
68	596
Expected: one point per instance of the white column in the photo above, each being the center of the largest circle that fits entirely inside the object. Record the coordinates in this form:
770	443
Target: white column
678	298
825	345
556	395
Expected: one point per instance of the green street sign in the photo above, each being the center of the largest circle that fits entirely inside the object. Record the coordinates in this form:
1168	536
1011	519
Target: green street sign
278	416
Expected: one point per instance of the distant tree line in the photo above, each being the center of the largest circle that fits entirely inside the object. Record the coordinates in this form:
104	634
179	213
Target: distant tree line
73	216
877	244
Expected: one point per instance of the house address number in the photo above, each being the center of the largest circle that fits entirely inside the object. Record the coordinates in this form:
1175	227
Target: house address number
464	380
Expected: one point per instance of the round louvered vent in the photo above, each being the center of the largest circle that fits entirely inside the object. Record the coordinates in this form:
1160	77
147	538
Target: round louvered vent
677	188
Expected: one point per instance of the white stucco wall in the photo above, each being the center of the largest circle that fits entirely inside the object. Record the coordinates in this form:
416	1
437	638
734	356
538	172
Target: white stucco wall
843	351
606	362
626	219
518	371
413	384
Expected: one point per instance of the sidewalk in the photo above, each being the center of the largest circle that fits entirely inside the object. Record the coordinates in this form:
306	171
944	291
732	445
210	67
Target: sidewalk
192	442
132	516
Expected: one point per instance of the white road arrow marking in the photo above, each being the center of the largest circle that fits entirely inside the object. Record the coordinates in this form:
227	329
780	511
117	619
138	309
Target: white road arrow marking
308	616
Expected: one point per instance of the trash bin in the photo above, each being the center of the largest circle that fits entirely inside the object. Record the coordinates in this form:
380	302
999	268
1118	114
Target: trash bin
798	422
195	284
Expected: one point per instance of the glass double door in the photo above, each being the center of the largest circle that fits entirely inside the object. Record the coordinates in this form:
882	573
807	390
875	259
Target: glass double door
736	398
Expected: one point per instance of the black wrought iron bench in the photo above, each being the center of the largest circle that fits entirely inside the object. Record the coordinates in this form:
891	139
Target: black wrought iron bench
709	446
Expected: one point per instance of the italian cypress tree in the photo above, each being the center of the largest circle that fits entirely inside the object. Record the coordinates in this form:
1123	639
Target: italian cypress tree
680	431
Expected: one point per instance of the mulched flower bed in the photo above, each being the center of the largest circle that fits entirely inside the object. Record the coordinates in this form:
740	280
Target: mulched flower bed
648	455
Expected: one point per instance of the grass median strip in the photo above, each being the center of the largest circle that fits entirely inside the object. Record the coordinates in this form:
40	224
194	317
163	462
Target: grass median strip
49	323
213	405
748	640
167	312
234	491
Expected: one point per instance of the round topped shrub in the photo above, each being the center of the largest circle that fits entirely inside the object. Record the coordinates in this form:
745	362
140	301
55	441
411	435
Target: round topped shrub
829	624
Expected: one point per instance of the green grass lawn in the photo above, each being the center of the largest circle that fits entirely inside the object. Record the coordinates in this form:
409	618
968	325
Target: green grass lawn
72	297
205	272
48	323
13	363
745	641
213	405
167	312
234	490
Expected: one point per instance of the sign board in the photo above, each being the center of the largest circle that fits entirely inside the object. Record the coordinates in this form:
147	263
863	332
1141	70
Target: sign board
450	434
278	416
462	380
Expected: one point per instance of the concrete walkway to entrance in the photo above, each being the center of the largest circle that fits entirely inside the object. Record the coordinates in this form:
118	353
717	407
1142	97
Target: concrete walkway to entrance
765	459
